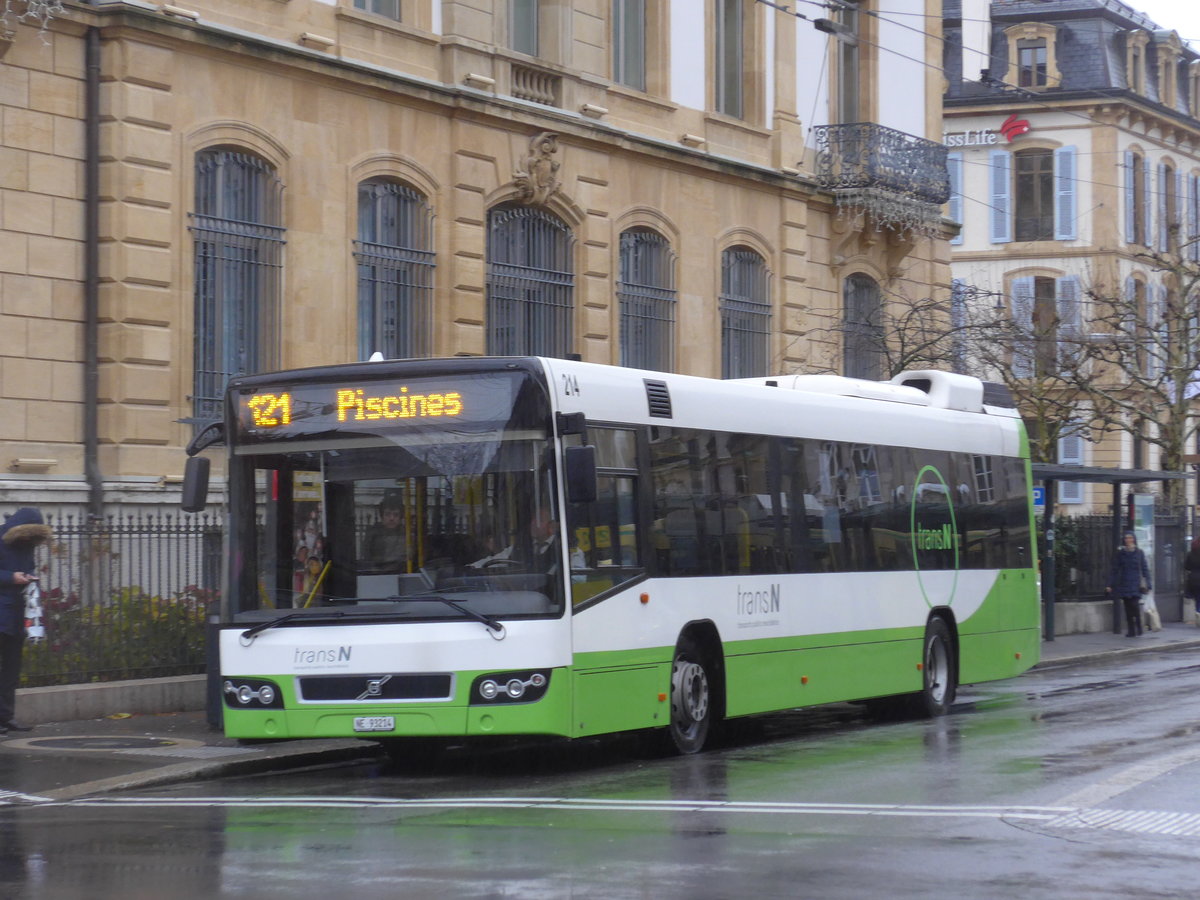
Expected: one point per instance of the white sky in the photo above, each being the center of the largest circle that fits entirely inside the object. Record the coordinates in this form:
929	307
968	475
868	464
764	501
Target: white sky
1180	15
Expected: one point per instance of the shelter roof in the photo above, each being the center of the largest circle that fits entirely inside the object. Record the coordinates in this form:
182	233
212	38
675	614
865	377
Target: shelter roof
1101	474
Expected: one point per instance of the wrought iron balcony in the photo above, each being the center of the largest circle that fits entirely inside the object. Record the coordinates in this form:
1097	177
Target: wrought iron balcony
867	157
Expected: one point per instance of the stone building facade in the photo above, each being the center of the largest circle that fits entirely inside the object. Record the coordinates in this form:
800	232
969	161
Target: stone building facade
1074	128
191	191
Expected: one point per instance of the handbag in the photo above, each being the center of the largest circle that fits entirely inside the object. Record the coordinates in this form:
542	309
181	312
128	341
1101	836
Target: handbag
1153	619
35	624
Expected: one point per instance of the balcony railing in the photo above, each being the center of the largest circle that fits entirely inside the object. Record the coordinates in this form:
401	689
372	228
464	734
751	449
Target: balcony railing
864	156
536	85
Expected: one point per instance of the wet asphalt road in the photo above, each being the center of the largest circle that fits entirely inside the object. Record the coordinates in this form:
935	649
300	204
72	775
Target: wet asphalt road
1081	782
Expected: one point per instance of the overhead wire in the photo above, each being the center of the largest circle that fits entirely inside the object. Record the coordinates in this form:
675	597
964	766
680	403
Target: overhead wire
1024	94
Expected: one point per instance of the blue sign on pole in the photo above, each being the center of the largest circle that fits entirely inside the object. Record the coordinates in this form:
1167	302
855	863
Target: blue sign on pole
1039	498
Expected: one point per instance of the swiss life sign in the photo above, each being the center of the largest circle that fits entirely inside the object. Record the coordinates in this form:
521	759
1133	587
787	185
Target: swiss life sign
1011	129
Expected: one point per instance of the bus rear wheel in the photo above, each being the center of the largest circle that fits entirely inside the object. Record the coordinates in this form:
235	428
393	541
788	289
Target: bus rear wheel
691	699
939	671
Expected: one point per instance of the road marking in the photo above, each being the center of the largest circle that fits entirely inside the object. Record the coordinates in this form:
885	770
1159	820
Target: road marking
1130	778
12	798
1123	820
586	804
1135	821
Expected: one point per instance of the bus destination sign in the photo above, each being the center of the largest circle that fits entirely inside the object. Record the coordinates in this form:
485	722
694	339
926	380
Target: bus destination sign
280	411
354	405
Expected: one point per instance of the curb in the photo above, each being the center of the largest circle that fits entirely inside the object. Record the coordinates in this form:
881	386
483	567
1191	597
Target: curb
95	700
1115	652
310	753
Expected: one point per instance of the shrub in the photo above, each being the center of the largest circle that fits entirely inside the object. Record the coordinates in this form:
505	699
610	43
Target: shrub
131	635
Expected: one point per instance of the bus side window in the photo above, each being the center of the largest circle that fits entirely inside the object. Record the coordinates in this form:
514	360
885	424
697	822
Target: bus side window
603	535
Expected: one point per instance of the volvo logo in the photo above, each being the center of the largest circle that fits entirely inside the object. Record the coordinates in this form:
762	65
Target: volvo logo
374	687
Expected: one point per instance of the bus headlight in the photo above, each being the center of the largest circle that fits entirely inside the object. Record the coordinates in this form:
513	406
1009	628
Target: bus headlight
250	693
510	687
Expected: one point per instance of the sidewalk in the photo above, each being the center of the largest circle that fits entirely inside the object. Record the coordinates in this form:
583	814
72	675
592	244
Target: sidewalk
66	760
1076	648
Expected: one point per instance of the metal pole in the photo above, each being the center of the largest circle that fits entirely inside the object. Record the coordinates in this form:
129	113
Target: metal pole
1118	612
1048	586
91	275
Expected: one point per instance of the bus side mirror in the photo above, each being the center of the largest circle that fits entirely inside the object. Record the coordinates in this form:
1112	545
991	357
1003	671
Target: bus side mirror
195	484
580	465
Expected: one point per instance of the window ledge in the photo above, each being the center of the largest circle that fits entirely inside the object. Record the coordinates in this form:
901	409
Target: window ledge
636	96
724	121
383	23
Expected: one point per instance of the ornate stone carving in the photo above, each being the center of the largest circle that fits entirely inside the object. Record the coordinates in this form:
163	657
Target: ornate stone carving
538	180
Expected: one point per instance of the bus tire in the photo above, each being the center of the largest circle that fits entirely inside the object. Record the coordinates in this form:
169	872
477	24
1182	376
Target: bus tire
692	698
939	671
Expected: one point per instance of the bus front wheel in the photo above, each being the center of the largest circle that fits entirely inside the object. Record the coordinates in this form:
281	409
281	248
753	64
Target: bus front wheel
691	699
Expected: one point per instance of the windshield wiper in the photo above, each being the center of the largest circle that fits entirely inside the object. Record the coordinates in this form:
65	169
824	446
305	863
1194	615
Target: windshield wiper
487	620
497	628
250	633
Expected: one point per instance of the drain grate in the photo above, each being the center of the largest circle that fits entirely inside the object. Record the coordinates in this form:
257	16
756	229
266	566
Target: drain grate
93	742
107	743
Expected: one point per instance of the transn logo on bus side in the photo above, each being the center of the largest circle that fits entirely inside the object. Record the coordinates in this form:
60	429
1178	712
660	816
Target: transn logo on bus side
751	603
942	538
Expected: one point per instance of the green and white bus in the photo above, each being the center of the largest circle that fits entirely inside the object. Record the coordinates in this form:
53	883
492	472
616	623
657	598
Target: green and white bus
531	546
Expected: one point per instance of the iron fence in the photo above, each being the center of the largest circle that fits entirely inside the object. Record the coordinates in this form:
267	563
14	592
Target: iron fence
1084	547
125	597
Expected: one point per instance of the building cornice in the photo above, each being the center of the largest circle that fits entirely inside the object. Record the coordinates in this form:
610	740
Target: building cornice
1119	103
149	24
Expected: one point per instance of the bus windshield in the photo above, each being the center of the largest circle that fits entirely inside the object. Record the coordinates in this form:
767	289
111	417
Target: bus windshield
418	517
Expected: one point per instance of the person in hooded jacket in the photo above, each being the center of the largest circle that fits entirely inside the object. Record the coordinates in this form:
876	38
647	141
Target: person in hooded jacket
20	535
1129	579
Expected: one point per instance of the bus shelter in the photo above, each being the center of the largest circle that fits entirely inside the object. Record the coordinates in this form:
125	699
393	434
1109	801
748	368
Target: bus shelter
1049	474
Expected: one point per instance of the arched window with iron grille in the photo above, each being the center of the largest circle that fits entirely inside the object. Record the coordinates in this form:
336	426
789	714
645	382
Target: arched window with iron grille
238	235
394	256
646	298
745	314
530	283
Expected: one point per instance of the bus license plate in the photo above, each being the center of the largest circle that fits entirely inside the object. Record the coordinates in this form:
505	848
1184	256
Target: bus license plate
374	723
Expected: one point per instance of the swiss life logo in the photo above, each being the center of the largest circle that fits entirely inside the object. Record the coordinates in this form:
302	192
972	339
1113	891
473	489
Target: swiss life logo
1013	128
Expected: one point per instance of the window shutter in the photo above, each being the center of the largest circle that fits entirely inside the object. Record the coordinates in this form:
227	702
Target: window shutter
1130	197
1179	201
1001	175
1070	453
1064	194
1147	203
1156	352
958	302
1163	188
958	321
1129	325
1070	492
1022	313
1067	300
1193	221
954	168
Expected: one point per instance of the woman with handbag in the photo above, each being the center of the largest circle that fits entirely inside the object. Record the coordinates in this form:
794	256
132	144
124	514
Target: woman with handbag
1129	579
